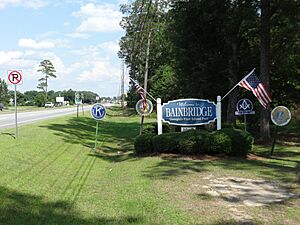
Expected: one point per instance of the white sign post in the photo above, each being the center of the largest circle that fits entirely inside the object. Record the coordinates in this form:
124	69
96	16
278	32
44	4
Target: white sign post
15	78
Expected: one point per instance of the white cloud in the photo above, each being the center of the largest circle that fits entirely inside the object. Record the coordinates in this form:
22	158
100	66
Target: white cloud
110	47
78	35
102	70
30	43
6	57
99	18
35	4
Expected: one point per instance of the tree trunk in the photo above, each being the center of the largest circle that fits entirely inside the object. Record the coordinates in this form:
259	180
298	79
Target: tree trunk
233	70
264	67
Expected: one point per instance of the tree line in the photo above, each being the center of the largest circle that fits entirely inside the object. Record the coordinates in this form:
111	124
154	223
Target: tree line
201	49
37	98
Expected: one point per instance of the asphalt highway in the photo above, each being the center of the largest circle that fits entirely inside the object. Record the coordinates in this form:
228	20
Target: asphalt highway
8	120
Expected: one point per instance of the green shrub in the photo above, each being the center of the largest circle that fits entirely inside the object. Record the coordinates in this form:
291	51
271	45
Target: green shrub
227	141
217	142
166	143
191	142
143	144
152	128
149	129
241	141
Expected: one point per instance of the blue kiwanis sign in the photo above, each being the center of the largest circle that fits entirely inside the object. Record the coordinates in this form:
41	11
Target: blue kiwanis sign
98	111
187	112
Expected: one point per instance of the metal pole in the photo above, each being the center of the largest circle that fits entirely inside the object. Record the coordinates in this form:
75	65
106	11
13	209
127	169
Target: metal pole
77	110
238	83
274	141
122	85
96	138
245	122
16	112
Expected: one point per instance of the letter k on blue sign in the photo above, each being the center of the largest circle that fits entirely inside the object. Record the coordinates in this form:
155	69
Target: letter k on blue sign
98	111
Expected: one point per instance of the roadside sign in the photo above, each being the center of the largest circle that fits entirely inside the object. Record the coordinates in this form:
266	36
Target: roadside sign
98	111
15	77
189	112
280	115
144	107
97	98
244	106
78	100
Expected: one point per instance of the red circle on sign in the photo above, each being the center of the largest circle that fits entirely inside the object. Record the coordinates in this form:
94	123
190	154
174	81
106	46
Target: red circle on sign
14	80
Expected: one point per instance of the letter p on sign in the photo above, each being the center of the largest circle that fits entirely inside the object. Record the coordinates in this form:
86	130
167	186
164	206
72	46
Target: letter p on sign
15	77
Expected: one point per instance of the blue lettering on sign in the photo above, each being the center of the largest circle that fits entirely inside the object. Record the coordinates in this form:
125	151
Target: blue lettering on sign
98	111
186	112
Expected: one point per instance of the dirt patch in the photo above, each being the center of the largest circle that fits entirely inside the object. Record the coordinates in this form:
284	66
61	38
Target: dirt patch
248	191
237	192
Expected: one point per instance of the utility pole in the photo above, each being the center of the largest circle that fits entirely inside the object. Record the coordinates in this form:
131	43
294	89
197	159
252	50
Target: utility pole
146	73
122	85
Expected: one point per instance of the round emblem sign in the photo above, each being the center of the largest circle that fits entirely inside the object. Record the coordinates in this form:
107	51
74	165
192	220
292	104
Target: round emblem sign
144	107
98	111
280	115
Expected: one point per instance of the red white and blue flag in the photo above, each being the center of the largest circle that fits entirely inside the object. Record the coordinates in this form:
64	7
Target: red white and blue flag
141	92
252	83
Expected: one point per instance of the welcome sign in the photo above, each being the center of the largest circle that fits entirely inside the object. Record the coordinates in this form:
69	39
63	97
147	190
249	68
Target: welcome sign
188	112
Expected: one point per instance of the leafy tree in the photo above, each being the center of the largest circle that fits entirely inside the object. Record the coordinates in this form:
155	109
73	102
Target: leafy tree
4	94
30	97
48	70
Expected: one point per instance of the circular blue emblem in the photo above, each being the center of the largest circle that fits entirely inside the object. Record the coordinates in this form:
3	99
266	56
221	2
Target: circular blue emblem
98	111
244	104
144	107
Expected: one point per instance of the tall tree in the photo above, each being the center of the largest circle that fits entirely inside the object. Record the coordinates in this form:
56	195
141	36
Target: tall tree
4	93
265	66
48	70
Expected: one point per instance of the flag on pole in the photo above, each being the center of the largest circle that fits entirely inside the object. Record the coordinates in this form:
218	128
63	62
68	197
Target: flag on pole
252	83
141	92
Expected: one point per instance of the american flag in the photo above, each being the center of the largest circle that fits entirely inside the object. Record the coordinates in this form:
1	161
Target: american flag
252	83
141	92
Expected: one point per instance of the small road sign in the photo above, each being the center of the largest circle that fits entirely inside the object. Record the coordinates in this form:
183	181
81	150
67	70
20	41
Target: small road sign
144	107
280	115
98	111
15	77
244	106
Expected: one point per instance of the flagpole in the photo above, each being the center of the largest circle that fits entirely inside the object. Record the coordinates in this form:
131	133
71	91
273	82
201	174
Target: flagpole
143	90
238	84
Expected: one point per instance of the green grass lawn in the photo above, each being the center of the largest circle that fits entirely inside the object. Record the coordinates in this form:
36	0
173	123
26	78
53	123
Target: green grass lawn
52	176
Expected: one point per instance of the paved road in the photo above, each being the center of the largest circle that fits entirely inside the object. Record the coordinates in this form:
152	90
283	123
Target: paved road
8	120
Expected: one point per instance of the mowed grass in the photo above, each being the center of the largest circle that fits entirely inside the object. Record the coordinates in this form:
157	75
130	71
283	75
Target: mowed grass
52	176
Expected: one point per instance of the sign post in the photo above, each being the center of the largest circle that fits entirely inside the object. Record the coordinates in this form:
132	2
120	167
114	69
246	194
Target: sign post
98	112
159	116
244	107
82	97
15	78
77	101
280	116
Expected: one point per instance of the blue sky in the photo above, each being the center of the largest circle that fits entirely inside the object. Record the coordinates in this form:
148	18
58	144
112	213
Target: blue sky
79	37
